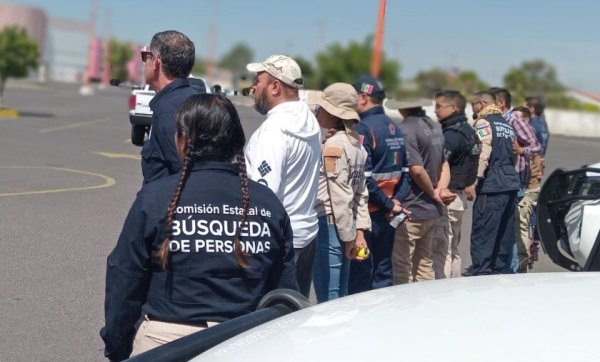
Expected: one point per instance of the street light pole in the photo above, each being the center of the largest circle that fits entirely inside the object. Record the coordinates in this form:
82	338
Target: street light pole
376	58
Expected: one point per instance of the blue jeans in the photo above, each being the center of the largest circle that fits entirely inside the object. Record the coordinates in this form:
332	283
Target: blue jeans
332	268
513	256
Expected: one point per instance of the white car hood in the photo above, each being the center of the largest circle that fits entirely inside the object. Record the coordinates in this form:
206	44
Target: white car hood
527	317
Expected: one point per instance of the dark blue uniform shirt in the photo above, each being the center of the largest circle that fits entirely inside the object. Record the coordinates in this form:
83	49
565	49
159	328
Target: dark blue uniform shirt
386	167
204	282
159	155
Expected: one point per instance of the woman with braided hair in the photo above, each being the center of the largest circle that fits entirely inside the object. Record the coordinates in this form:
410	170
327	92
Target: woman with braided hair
195	250
343	196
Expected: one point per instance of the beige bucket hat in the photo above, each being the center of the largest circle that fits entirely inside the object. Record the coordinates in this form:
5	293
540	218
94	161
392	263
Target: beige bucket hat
339	100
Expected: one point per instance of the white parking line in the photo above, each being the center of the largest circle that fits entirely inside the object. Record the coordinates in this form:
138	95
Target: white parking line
131	156
73	125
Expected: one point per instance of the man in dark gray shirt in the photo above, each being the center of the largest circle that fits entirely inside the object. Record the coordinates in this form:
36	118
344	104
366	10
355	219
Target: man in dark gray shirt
430	175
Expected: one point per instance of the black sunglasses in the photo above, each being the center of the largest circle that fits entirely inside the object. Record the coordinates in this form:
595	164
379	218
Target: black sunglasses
145	55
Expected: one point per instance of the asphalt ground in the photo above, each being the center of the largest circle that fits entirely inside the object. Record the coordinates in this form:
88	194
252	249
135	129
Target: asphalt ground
68	175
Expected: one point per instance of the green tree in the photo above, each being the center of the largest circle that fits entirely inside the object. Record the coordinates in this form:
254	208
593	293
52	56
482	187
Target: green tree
344	64
533	77
431	81
199	66
561	100
18	55
309	73
468	83
120	54
237	58
516	81
536	77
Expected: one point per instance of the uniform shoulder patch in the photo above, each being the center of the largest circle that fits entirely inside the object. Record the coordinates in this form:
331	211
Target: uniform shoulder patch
484	132
331	156
333	151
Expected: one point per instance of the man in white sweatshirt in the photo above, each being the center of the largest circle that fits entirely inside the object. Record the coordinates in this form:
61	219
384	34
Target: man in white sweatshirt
285	151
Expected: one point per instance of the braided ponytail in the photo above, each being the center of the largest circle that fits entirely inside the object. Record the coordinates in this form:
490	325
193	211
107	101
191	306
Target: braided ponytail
240	256
162	255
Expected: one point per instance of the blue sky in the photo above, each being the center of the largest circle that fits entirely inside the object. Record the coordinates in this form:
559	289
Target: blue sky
488	36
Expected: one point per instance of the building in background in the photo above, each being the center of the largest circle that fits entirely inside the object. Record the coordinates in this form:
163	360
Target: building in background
70	51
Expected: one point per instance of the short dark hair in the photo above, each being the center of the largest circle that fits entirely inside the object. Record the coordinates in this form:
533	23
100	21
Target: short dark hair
454	97
502	93
176	51
485	96
537	104
524	110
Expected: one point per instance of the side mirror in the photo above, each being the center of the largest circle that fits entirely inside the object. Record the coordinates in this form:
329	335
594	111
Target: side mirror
290	298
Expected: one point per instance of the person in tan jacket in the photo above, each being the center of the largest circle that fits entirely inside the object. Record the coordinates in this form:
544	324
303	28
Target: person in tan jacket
343	196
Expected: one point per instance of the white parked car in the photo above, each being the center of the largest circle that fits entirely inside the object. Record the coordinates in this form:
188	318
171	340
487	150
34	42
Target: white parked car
530	317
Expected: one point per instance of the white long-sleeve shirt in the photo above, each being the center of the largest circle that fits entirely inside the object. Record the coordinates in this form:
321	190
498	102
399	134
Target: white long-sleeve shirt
284	154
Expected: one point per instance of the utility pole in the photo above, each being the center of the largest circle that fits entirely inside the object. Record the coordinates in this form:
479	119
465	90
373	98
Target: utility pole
376	59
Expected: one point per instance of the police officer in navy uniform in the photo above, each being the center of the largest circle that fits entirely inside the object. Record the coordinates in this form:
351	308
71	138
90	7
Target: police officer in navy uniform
462	149
194	251
167	64
386	172
493	227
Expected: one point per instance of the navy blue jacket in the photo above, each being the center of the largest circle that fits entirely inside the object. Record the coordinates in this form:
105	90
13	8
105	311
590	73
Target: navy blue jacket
386	167
500	175
204	282
159	154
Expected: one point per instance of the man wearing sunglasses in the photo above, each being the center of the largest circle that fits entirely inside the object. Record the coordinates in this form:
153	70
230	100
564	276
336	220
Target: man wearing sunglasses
168	62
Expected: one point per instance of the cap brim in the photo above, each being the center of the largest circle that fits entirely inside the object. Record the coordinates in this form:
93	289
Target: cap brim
256	67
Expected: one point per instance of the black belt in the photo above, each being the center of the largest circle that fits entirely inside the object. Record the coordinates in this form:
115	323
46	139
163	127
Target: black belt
190	323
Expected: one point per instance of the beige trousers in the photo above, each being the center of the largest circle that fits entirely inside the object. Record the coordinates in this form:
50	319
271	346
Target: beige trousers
411	256
522	220
445	254
152	334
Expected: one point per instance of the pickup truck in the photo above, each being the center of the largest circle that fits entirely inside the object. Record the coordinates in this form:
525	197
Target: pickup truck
140	114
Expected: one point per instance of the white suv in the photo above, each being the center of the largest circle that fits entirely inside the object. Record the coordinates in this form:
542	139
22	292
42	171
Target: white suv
140	114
